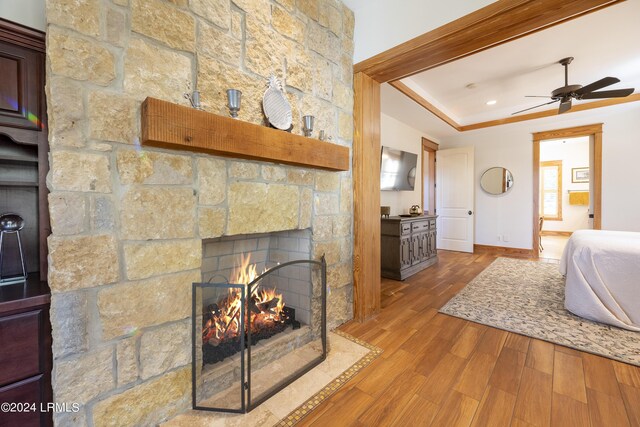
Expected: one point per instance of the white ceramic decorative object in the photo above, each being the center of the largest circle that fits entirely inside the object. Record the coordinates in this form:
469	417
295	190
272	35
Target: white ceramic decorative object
275	105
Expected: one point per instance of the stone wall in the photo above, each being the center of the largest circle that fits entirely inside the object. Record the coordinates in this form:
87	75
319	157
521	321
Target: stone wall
128	221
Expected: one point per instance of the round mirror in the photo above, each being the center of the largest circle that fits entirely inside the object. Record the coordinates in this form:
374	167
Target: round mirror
411	177
496	180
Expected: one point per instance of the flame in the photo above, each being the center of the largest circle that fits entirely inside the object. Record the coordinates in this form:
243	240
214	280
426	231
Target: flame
246	273
224	321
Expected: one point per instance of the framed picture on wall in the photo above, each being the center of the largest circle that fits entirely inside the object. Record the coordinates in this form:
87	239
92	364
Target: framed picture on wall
579	174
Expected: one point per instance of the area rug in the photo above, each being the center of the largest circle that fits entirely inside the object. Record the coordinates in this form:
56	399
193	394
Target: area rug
527	297
346	357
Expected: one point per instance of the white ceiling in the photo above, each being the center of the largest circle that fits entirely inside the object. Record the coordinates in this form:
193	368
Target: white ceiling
395	104
383	24
603	43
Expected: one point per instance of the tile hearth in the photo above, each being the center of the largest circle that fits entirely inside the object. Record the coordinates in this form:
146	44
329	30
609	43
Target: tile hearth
346	356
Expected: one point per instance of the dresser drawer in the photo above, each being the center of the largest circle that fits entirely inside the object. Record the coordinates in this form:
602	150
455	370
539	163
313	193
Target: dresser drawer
432	224
20	336
420	226
22	393
405	228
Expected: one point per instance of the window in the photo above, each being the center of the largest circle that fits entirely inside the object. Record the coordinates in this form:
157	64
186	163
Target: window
551	186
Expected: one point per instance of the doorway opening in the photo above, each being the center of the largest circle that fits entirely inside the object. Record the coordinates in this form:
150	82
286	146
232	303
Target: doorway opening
567	186
429	149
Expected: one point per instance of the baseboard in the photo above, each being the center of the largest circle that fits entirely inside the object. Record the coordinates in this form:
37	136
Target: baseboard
556	233
503	250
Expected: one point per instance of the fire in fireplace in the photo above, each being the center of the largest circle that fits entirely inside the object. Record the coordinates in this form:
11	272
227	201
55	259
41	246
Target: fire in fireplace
247	343
267	315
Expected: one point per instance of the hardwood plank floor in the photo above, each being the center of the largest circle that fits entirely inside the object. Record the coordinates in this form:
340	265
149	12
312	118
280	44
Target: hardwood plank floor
438	370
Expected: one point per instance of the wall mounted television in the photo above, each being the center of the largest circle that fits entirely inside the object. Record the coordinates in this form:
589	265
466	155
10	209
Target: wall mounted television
397	170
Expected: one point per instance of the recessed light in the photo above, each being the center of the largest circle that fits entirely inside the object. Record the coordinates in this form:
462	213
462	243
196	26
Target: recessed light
492	102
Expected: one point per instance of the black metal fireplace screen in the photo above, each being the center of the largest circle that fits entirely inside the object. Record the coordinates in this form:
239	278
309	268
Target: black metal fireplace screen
251	341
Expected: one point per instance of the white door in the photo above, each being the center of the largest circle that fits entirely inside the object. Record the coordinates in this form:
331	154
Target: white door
455	198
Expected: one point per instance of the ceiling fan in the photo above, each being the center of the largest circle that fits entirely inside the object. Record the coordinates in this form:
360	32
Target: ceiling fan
568	92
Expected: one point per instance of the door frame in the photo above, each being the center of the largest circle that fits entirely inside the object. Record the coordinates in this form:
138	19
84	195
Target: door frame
430	147
494	24
594	130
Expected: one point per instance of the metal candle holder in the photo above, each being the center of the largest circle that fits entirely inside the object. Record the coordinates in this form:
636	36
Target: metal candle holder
307	125
194	99
233	102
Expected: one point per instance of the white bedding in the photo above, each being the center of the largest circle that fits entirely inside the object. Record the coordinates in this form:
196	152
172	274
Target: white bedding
602	270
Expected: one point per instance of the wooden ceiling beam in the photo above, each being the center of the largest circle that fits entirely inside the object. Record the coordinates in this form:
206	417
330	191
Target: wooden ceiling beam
414	96
420	100
490	26
554	112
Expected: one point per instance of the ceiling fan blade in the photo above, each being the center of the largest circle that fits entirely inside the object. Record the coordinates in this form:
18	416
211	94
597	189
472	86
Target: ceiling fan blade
536	96
531	108
565	105
616	93
607	81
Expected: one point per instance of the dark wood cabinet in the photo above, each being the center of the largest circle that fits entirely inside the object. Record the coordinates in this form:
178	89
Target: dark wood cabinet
25	330
24	146
408	245
19	357
21	105
25	352
26	392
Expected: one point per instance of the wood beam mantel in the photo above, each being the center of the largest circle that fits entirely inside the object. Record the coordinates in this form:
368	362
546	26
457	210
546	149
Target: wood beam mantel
168	125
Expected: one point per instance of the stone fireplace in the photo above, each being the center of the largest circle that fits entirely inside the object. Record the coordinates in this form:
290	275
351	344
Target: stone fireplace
259	318
131	223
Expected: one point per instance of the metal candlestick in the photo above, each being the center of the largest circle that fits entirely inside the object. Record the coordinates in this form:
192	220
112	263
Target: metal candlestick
194	99
307	125
233	102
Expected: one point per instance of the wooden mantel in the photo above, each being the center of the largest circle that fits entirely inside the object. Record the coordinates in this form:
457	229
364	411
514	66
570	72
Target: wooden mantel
168	125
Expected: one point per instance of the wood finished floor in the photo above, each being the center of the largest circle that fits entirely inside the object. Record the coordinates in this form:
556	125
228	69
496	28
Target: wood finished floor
438	370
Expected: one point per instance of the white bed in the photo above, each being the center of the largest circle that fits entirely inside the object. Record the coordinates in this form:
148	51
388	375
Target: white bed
602	270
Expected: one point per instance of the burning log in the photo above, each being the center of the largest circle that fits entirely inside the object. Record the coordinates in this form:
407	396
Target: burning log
265	315
268	306
233	317
253	307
